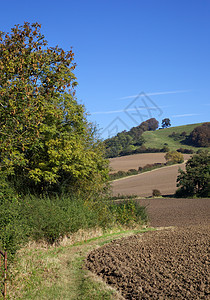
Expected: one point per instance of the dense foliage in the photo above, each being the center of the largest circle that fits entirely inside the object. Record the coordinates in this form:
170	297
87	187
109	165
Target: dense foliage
195	180
53	174
174	157
200	136
45	140
49	219
126	142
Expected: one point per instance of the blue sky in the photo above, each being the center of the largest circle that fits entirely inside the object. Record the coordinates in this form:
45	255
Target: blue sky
135	58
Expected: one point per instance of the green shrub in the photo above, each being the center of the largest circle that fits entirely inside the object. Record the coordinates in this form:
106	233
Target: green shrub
156	193
47	218
129	212
13	224
50	219
174	157
132	172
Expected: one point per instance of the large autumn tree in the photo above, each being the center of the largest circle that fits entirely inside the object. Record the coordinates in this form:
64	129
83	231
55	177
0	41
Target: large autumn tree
200	136
45	139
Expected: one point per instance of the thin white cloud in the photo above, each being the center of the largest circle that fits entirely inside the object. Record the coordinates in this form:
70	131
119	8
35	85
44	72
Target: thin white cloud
123	110
185	115
158	93
134	109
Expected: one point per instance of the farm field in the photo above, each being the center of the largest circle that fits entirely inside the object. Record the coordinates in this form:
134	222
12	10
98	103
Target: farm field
164	212
163	179
124	163
170	263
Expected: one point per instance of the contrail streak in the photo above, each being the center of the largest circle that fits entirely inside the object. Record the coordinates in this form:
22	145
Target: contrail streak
123	110
185	115
158	93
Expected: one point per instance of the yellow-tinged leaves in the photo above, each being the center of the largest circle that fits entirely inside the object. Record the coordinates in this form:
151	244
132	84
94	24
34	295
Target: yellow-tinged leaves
44	132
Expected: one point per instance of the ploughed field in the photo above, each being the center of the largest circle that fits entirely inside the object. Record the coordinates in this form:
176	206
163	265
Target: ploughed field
163	179
124	163
171	263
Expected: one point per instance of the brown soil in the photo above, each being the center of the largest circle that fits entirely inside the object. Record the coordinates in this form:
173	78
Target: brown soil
163	179
167	264
124	163
164	212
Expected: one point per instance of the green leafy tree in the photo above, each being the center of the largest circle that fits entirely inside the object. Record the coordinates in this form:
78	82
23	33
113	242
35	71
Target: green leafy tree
166	123
195	180
124	142
174	157
45	138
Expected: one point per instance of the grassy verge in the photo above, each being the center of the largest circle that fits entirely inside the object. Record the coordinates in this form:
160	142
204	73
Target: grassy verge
49	272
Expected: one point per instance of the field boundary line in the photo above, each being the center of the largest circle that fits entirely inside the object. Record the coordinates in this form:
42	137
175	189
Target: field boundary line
148	171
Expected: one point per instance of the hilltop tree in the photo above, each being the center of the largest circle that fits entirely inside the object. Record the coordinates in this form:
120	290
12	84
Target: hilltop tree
195	180
45	138
166	123
153	124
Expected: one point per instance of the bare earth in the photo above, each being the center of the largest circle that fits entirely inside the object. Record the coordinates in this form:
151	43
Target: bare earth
163	179
166	264
164	212
124	163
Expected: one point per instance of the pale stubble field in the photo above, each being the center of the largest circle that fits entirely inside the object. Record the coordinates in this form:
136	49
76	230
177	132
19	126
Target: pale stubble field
163	179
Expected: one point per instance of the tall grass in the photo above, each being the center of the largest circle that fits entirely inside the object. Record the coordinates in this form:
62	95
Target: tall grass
50	219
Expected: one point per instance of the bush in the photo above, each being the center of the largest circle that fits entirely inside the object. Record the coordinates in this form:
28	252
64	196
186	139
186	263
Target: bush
129	212
132	172
174	157
165	149
50	219
186	151
47	218
156	193
13	223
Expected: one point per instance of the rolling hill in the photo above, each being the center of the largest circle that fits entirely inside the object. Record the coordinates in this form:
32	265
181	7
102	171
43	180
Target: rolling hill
146	138
162	137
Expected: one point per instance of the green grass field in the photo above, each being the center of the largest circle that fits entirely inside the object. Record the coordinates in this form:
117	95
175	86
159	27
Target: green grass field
160	138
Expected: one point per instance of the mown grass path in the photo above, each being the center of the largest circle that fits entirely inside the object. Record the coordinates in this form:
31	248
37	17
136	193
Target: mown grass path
58	272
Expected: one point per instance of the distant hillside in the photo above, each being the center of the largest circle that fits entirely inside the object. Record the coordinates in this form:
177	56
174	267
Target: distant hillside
146	139
173	137
125	142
